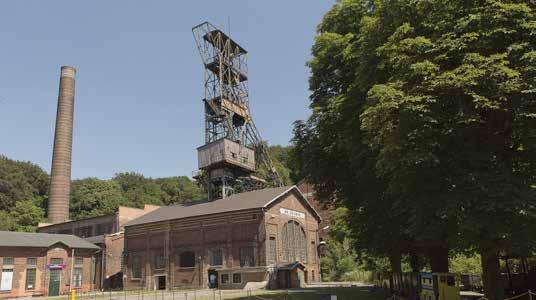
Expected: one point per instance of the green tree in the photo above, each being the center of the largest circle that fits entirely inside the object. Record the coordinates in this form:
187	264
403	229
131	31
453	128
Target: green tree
26	215
92	197
138	190
329	148
425	110
466	263
21	181
180	190
6	221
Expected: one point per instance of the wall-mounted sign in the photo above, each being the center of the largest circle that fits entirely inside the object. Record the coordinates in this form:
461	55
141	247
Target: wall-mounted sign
56	266
292	213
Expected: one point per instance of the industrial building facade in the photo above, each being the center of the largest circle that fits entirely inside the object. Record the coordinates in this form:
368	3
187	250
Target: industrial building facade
264	237
36	264
106	232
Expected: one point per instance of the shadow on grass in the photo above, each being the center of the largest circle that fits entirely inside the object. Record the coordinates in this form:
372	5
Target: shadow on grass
343	293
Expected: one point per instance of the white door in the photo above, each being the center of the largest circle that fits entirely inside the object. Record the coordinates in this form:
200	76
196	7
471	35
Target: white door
7	280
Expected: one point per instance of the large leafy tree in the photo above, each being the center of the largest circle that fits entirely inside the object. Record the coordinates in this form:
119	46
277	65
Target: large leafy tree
330	149
436	102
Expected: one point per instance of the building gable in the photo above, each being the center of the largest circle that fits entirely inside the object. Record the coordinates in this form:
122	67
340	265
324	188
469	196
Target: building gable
292	197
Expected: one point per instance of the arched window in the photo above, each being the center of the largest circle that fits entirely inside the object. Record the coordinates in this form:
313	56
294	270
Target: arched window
293	242
187	259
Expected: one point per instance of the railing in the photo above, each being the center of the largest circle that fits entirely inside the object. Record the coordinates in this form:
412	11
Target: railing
181	294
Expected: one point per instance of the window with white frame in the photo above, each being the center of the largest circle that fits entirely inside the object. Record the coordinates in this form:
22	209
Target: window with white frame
77	277
6	278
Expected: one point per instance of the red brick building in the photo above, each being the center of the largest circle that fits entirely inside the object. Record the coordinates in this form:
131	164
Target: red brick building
107	233
263	237
35	264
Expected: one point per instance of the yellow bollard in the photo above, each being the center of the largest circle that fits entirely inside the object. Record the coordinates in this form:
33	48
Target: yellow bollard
72	295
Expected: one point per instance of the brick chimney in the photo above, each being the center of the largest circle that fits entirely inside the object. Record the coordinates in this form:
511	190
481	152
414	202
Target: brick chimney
60	182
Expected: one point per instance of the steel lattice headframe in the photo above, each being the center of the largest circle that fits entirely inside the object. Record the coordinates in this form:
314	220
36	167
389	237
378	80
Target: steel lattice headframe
226	95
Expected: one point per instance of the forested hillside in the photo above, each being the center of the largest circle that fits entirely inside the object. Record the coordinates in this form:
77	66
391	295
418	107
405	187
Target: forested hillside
24	191
24	194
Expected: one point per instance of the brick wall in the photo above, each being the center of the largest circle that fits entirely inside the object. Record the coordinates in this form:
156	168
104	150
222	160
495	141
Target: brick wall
43	256
276	220
226	231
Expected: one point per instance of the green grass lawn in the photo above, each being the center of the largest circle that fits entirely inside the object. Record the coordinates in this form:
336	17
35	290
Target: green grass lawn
353	293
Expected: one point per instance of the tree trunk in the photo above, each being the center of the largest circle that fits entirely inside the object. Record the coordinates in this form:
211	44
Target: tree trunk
439	259
395	259
415	261
491	276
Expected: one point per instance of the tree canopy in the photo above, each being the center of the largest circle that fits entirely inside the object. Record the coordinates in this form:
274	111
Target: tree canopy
24	194
423	124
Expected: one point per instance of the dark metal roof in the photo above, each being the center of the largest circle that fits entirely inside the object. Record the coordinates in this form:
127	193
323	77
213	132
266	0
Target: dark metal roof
236	202
42	240
289	266
98	239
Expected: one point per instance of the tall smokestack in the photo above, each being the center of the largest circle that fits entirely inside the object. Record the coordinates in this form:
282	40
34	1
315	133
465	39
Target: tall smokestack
60	185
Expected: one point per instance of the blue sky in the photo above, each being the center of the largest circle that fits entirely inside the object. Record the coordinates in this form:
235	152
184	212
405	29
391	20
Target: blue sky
139	81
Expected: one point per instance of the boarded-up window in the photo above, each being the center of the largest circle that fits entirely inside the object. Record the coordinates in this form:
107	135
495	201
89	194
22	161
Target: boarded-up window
293	242
247	259
187	259
272	258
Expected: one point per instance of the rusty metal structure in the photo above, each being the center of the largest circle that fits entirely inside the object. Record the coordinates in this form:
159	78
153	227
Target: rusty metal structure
233	148
60	182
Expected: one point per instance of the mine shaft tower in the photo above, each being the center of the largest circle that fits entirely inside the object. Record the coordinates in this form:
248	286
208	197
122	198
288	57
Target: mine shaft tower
233	148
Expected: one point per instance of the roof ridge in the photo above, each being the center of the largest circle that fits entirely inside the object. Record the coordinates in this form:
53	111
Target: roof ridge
248	200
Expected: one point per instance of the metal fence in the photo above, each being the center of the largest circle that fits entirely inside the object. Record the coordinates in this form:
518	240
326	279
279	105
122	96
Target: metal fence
198	295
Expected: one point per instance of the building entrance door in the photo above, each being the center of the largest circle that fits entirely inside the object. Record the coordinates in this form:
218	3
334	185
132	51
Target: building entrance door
212	279
160	282
54	282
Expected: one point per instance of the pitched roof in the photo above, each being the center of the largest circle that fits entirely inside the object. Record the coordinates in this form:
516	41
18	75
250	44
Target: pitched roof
42	240
236	202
